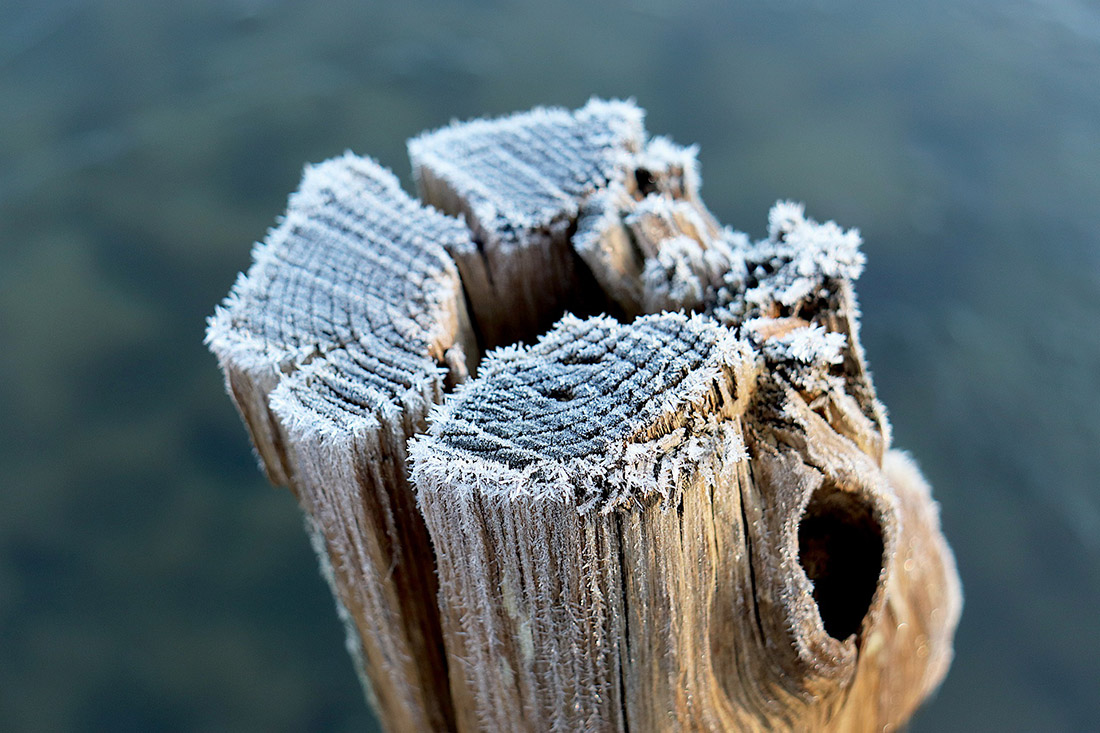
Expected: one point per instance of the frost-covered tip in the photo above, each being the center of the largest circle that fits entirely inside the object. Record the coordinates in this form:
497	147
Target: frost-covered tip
816	248
807	345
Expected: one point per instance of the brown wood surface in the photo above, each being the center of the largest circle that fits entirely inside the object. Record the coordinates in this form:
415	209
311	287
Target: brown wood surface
685	514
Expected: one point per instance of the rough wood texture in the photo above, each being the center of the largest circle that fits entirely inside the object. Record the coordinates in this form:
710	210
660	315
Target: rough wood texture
685	520
343	333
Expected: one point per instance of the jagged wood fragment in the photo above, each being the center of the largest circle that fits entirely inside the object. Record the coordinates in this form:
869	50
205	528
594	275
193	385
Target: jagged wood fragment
666	252
343	332
802	274
521	182
610	557
651	243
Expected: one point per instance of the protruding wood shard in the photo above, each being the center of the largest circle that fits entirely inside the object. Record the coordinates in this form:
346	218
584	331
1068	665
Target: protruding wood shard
519	182
683	516
522	182
334	346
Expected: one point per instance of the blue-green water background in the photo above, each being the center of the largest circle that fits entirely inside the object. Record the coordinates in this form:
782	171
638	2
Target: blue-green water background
151	580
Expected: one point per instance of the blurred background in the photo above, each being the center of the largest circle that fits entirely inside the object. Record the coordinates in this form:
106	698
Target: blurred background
150	579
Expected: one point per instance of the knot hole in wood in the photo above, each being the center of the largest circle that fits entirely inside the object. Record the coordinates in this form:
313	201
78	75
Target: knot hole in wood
840	547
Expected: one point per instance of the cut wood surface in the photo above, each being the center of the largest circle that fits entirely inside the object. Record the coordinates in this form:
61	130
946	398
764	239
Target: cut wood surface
683	514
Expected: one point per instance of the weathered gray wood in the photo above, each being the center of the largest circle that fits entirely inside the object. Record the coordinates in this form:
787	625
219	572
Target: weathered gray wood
345	330
677	522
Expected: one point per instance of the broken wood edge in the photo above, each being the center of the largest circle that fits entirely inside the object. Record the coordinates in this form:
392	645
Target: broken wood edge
346	466
522	272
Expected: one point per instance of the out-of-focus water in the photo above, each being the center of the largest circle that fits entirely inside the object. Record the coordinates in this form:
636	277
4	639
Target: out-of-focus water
151	580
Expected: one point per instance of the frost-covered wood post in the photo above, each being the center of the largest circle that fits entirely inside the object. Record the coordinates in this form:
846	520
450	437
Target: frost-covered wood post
683	514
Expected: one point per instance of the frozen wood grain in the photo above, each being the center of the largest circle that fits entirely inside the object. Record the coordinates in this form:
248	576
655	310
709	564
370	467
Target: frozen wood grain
518	181
345	330
687	520
522	182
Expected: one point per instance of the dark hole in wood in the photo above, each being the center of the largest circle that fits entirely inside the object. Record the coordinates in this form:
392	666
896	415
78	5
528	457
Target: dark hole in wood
840	547
647	184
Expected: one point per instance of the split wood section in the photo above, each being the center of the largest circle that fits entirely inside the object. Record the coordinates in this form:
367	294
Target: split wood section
682	515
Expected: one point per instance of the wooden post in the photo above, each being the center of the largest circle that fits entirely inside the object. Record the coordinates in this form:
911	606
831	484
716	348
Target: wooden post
687	520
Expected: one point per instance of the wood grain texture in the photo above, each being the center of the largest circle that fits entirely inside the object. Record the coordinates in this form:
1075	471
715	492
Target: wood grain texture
685	515
518	182
345	330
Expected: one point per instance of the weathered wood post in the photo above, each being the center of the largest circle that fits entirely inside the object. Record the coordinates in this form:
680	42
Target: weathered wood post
682	515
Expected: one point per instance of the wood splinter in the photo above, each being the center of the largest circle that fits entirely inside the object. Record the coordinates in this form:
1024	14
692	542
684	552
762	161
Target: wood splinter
683	515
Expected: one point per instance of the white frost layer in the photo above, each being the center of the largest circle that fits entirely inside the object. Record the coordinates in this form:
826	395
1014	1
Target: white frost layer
676	435
803	254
